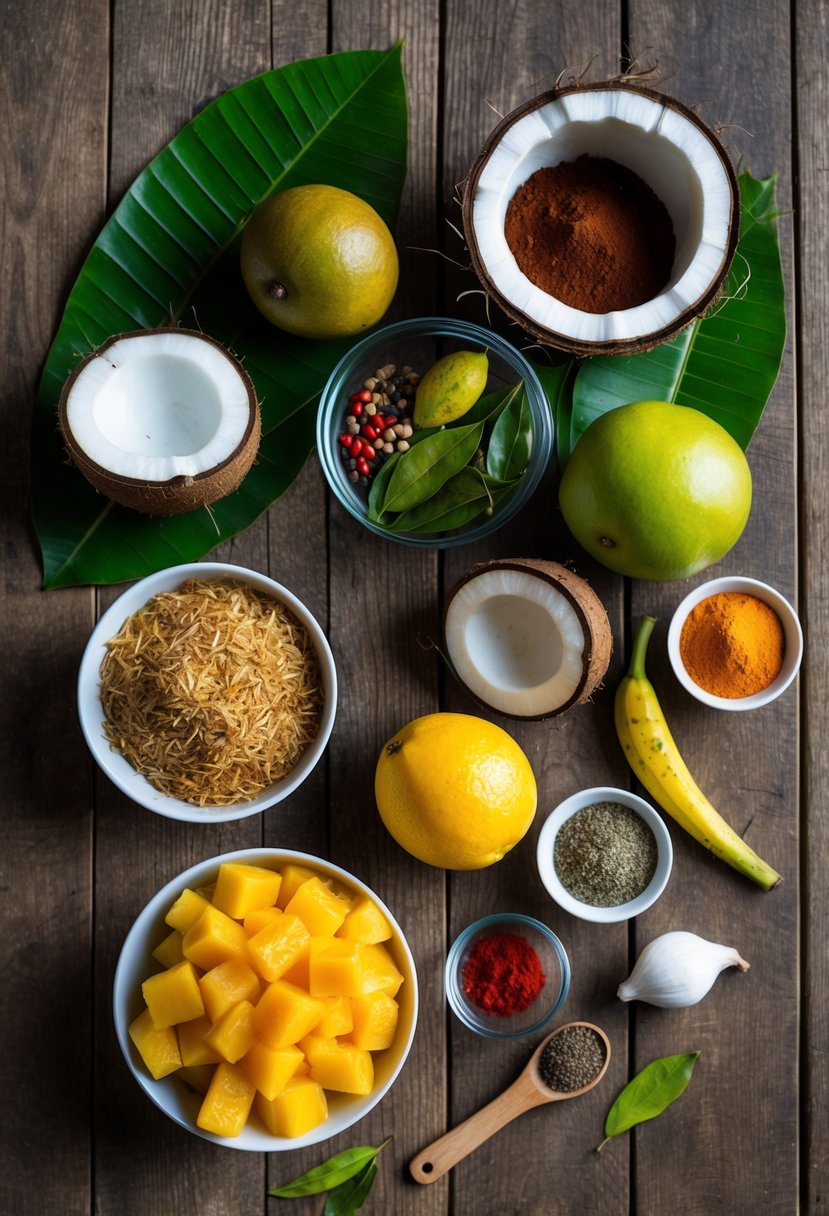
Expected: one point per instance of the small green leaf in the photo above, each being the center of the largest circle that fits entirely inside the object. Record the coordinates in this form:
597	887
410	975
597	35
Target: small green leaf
378	488
351	1195
490	407
557	383
457	503
422	470
331	1173
510	445
649	1093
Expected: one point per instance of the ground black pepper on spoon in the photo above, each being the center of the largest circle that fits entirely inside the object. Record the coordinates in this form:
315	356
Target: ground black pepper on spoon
574	1057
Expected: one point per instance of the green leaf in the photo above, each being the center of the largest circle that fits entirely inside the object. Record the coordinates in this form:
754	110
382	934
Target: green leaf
726	363
331	1173
350	1196
377	490
422	470
169	254
649	1093
558	388
460	500
510	444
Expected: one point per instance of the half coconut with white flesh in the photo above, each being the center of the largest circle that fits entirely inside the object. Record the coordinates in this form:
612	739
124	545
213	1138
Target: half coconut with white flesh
528	638
162	420
655	137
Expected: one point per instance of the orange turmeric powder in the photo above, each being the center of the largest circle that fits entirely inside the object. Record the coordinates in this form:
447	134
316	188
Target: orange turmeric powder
732	644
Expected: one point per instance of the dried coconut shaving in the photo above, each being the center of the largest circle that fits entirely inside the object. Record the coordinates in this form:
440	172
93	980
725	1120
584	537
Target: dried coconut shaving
212	692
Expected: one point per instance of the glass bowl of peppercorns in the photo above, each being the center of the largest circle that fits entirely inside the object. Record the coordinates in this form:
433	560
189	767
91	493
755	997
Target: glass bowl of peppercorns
506	976
443	474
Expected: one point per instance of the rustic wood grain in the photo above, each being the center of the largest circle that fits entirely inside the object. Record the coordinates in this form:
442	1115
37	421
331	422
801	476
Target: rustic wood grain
92	91
53	143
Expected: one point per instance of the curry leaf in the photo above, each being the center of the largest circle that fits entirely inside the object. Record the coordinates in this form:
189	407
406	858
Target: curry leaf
378	488
725	363
422	470
350	1196
331	1173
460	500
649	1093
169	253
510	444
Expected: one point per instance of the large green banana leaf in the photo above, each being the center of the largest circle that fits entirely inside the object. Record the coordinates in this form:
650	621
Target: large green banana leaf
169	254
724	364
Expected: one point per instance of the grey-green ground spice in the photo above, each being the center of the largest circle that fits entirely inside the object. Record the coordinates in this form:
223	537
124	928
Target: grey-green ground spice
571	1059
605	854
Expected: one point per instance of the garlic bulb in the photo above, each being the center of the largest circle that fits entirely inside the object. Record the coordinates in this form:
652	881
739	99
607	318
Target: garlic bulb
677	969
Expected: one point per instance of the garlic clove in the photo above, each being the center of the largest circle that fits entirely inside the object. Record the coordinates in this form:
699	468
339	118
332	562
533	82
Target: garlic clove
677	970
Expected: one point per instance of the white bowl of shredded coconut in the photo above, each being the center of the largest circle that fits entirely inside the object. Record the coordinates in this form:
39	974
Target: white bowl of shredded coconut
207	692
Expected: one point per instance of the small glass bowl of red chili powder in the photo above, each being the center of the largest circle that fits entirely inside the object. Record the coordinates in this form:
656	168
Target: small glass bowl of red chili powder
506	976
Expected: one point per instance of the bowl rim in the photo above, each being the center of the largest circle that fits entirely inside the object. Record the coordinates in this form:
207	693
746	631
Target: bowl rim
546	843
90	712
331	400
134	960
450	974
791	627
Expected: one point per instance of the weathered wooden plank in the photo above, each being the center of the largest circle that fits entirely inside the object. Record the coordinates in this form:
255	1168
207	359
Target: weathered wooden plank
736	1125
812	212
167	64
54	86
547	1153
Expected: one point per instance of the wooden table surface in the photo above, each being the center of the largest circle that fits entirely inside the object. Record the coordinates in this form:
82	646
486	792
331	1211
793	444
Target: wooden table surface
92	90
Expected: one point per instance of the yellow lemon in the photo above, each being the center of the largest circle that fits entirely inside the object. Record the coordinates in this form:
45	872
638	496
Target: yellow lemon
455	791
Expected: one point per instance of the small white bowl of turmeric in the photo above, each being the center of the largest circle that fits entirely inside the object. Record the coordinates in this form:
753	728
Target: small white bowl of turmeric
735	643
207	692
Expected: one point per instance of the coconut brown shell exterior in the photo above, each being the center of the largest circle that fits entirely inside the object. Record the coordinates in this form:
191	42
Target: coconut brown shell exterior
180	494
548	337
591	613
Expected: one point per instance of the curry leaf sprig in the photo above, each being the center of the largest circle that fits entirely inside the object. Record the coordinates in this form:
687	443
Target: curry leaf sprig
451	475
649	1093
347	1177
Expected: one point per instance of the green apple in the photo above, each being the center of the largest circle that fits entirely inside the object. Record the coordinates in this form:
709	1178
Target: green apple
656	491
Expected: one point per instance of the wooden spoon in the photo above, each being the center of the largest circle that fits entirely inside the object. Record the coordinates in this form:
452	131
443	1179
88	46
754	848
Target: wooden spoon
524	1093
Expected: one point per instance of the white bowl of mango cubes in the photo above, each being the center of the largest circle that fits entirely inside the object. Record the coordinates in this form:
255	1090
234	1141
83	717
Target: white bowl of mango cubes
252	1062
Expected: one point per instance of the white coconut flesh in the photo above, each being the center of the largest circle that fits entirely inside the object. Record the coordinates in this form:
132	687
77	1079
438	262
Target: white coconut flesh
516	640
669	151
152	407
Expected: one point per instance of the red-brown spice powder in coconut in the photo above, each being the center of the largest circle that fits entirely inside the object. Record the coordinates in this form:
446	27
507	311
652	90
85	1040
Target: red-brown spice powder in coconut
592	234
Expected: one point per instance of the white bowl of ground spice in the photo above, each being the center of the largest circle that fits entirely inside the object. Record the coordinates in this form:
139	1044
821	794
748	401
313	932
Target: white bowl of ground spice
735	643
604	855
207	692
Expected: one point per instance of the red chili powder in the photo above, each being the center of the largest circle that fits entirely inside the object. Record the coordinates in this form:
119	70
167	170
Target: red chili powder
503	974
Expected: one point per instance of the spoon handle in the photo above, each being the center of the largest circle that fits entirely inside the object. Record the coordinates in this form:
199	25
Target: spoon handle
433	1162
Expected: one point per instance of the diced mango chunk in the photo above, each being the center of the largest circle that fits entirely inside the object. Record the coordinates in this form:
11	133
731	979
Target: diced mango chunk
242	888
338	1065
379	970
168	952
365	923
197	1077
318	907
158	1048
192	1044
374	1020
227	1103
293	876
256	920
335	967
337	1019
271	1068
186	910
213	939
225	985
173	995
233	1034
277	946
300	1107
285	1013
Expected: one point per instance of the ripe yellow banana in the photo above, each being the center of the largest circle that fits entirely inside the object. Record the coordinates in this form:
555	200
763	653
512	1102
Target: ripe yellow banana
654	757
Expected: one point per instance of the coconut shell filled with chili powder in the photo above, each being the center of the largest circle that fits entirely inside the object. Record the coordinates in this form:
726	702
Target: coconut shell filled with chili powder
584	214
